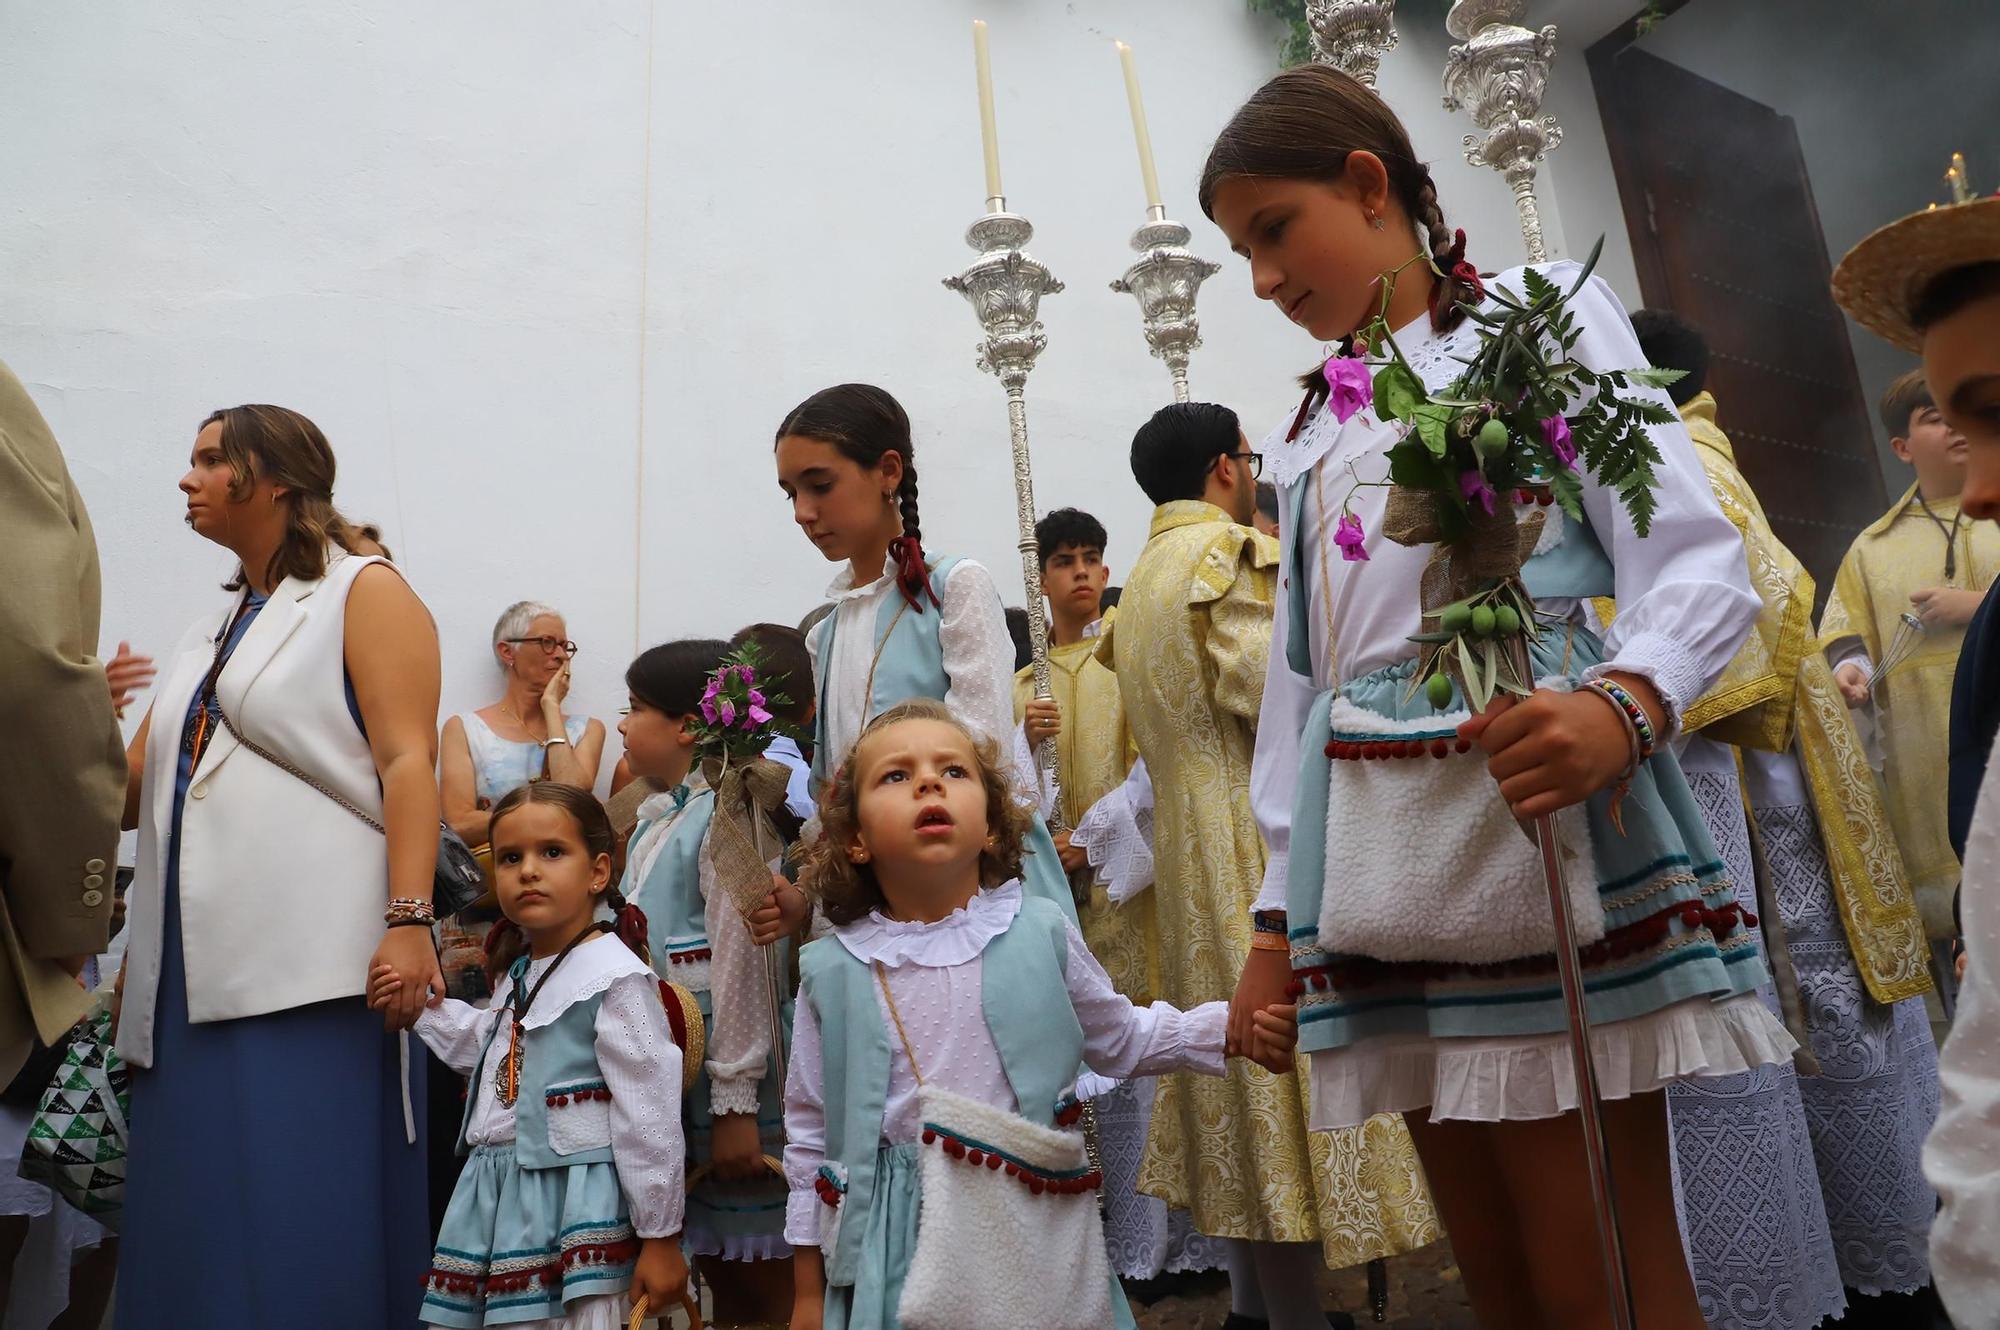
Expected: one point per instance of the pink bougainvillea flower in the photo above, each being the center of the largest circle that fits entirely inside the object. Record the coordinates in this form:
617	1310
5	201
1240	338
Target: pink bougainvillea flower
1473	486
756	717
1348	535
725	712
1350	386
1555	433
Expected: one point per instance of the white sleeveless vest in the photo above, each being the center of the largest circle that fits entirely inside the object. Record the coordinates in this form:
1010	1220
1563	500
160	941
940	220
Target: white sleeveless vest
281	890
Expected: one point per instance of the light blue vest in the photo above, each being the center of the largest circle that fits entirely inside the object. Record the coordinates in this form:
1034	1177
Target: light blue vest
911	664
671	892
1025	998
559	1062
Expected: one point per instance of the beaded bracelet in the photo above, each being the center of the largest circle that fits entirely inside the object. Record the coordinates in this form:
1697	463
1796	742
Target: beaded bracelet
1270	921
411	922
1636	754
409	912
1634	713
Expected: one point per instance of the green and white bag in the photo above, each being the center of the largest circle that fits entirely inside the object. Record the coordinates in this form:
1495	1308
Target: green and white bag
76	1144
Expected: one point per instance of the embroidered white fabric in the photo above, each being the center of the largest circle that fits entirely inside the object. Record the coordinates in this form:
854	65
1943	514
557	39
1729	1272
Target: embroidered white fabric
972	633
739	1033
1683	592
1143	1237
1959	1157
1758	1242
1116	835
635	1052
1877	1092
935	973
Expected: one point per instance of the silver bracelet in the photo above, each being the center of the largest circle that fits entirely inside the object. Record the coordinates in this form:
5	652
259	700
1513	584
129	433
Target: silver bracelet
555	739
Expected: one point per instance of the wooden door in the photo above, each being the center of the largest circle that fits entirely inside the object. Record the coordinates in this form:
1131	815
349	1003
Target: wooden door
1725	234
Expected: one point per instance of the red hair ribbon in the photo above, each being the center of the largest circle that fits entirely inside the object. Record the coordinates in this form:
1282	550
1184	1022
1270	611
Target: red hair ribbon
631	924
1461	271
912	577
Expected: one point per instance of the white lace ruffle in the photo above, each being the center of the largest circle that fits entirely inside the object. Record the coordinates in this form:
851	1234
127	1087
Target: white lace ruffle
1117	837
590	969
1529	1076
698	1241
953	940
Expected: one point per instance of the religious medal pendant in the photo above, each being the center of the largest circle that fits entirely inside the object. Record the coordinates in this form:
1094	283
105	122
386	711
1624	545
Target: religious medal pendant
508	1081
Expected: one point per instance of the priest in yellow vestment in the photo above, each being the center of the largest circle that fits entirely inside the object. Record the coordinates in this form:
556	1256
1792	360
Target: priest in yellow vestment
1190	646
1922	557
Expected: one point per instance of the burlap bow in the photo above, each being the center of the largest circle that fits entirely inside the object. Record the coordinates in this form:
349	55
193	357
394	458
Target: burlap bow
1494	549
745	795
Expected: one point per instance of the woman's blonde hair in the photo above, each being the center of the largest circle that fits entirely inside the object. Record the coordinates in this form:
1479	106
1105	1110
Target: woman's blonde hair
275	443
847	891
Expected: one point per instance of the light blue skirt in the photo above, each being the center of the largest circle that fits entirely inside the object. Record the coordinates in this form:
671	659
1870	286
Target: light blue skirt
890	1243
737	1221
526	1244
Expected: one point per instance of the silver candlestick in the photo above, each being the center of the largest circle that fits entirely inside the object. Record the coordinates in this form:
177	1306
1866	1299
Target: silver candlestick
1166	280
1352	35
1499	76
1005	288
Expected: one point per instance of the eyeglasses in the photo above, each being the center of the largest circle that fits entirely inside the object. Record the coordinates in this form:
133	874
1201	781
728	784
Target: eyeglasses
549	645
1256	461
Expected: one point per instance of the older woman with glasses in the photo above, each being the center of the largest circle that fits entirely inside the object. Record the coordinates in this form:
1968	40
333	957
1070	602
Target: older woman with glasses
525	735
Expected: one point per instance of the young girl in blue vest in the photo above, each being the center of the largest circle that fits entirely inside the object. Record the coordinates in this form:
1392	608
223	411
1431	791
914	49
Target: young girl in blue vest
1419	927
736	1206
905	624
943	978
571	1195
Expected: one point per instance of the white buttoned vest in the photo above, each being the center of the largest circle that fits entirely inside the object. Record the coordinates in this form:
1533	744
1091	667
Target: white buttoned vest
281	890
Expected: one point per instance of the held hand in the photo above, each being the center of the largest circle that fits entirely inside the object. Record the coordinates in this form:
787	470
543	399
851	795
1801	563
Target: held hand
1853	683
1552	750
127	674
1074	859
1275	1038
1266	976
781	914
384	985
411	954
735	1152
660	1276
1043	720
1946	607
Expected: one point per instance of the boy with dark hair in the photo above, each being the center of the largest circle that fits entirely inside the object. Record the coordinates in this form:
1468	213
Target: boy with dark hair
787	669
1931	283
1267	508
1924	559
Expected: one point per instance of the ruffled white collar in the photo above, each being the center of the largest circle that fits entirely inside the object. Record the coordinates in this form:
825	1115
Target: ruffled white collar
843	588
593	967
952	940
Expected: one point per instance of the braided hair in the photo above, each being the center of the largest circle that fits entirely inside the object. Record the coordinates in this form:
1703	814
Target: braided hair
1303	124
863	422
593	824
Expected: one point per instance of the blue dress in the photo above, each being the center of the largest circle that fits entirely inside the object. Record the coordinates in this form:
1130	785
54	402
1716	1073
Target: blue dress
269	1181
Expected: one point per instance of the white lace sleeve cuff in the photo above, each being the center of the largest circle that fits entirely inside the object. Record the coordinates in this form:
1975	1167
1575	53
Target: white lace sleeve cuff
1117	837
1675	673
732	1094
1271	895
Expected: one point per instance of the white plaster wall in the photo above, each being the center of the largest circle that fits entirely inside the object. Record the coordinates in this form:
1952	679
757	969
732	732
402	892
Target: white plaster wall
549	275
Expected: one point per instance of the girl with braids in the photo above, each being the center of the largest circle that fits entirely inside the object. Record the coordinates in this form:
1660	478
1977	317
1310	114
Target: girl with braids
571	1194
260	905
905	623
1460	1027
734	1118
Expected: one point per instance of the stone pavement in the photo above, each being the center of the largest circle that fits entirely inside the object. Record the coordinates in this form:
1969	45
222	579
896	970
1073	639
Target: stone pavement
1423	1292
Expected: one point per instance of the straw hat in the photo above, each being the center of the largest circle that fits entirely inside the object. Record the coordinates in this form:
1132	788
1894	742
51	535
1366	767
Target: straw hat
690	1034
1881	279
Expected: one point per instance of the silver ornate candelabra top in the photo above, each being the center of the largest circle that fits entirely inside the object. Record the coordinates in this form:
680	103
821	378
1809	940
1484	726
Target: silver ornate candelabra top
1165	281
1005	289
1352	35
1499	75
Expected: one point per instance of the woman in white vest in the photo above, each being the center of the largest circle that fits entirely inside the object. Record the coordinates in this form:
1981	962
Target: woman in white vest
274	1175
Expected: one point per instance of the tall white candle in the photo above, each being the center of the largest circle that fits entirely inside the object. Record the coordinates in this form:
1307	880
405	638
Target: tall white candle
1139	130
989	136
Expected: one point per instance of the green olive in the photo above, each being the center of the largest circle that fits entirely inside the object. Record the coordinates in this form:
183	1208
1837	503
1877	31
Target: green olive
1456	618
1492	439
1482	621
1506	621
1438	689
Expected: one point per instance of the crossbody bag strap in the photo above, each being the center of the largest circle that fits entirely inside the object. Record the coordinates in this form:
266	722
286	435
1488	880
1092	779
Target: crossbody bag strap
882	977
285	766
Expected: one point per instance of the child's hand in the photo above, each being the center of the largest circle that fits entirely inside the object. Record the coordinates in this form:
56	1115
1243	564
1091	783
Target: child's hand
1853	683
735	1151
781	914
383	986
1042	720
661	1275
1266	976
1551	750
1274	1038
1074	858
